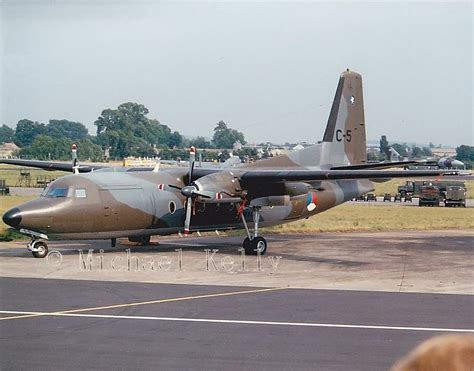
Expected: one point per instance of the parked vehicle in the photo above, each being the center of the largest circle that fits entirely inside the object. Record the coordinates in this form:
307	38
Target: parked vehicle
455	196
371	197
429	196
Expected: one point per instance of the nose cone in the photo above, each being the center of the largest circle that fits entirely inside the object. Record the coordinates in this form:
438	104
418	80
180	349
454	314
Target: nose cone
12	217
457	163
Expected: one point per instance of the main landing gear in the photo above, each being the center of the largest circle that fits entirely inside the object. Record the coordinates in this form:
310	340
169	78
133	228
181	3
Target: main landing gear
38	248
254	244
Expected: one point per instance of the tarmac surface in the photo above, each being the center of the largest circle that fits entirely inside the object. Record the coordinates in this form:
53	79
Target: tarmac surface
332	301
160	326
407	261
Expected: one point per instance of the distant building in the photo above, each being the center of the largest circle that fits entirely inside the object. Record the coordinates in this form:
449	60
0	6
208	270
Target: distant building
8	149
444	152
297	147
373	149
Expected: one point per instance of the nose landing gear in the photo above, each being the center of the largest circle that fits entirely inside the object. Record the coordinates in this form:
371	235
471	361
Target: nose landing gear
37	245
254	244
38	248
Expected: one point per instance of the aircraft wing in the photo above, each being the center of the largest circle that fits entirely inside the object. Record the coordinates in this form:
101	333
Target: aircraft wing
67	166
377	165
316	175
49	165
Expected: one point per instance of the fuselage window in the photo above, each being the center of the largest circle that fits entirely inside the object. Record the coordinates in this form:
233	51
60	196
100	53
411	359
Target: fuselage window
172	207
81	193
57	192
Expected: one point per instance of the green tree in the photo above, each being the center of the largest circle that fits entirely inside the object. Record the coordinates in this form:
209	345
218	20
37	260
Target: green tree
6	134
225	137
425	151
67	129
123	130
201	142
88	150
465	153
26	131
416	152
384	147
126	131
45	147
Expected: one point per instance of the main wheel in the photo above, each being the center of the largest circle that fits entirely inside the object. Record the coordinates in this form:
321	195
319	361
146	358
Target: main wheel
246	245
257	245
42	249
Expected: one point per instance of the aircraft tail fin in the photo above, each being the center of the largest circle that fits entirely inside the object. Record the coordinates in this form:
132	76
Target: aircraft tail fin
344	141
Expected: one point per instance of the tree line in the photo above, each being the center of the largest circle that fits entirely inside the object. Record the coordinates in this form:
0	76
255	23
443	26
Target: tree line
403	149
121	132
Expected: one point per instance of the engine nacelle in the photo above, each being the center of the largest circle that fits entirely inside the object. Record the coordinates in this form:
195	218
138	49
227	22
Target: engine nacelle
223	186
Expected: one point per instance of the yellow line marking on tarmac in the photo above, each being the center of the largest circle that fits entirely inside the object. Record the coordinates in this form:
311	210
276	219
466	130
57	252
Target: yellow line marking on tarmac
159	301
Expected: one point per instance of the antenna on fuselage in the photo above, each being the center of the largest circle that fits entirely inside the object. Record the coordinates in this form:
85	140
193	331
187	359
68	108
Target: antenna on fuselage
75	165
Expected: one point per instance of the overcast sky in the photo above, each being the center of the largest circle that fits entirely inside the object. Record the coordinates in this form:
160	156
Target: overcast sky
269	69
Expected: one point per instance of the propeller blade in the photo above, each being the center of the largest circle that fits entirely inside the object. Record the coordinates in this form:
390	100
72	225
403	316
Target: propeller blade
201	195
187	221
192	159
174	186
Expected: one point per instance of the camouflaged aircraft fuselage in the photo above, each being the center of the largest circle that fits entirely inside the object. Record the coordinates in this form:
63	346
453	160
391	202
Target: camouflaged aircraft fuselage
115	204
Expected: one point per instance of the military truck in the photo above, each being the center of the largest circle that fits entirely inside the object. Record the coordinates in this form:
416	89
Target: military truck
371	197
413	188
430	195
455	196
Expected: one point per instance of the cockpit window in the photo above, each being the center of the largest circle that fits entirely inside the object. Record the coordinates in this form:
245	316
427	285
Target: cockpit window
57	192
80	193
45	191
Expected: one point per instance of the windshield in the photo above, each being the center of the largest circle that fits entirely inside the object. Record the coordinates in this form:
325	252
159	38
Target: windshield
57	192
45	191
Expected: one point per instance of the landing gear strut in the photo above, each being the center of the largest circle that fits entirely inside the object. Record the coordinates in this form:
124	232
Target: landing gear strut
38	248
254	244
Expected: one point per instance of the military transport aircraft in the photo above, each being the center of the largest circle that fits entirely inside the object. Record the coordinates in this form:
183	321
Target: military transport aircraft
108	203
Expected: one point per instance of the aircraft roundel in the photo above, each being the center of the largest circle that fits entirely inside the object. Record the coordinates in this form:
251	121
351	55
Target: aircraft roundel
311	201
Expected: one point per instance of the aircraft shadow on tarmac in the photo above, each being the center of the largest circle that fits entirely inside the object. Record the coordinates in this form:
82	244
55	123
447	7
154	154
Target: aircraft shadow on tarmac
226	247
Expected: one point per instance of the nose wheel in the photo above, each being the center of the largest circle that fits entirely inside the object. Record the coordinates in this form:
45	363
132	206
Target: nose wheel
38	248
254	244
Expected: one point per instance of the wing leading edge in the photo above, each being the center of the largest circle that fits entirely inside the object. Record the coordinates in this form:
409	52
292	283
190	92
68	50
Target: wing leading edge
315	175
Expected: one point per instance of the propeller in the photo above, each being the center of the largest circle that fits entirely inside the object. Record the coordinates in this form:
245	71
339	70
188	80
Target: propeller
190	191
214	188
